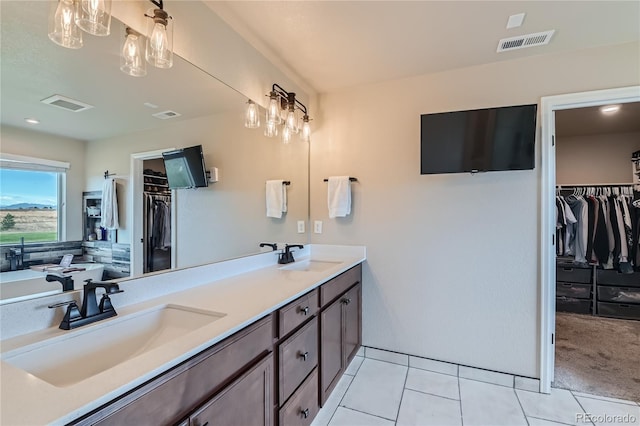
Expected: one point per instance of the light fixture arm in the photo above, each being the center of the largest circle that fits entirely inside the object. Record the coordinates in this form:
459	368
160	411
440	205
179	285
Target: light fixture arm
158	4
287	98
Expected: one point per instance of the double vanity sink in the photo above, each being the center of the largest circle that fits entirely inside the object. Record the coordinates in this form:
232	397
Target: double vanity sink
74	372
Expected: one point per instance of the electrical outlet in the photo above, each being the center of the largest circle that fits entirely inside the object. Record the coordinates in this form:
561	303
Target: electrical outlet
301	227
317	227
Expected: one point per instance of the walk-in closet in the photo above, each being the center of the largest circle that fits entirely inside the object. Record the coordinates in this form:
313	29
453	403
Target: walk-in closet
597	245
156	217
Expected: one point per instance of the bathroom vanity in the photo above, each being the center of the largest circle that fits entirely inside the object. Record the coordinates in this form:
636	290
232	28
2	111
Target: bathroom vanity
282	338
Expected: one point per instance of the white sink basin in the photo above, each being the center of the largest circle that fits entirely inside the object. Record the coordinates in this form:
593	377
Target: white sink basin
310	265
83	353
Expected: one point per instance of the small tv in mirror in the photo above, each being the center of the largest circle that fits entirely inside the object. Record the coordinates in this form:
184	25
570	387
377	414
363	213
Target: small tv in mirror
185	168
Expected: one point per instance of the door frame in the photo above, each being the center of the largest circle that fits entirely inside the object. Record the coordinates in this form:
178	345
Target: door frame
550	104
135	213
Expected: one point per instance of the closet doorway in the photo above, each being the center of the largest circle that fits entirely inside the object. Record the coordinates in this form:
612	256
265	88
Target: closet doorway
587	161
153	246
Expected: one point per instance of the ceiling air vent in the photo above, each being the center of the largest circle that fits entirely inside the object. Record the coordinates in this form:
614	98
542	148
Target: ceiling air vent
66	103
528	40
165	115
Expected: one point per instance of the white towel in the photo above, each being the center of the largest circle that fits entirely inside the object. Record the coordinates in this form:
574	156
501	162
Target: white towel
339	196
109	206
276	192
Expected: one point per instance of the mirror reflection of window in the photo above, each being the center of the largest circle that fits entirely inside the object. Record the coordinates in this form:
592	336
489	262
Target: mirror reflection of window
178	172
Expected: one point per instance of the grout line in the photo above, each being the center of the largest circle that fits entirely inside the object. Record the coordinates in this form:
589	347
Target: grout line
404	387
547	420
576	399
460	396
432	394
603	398
521	407
368	414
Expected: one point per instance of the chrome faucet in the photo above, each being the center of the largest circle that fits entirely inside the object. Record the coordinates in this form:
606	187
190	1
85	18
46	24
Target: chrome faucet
90	311
286	256
65	280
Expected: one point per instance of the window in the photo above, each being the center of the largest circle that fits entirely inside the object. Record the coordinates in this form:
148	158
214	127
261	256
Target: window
31	200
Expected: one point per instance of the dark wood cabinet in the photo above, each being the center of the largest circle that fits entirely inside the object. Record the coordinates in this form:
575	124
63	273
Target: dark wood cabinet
340	328
245	402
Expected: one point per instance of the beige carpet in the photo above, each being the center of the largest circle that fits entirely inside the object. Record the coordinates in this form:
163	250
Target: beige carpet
598	355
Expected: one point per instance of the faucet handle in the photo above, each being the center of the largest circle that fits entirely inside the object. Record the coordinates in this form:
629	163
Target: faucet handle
68	302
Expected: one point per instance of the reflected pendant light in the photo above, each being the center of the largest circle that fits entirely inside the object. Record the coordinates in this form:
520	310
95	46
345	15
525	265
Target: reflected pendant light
159	51
286	135
273	110
132	61
94	17
252	116
271	129
62	25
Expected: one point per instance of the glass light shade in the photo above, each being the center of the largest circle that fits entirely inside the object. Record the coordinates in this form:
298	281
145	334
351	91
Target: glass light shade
305	135
273	110
62	25
252	116
292	122
286	134
94	17
132	60
159	51
271	129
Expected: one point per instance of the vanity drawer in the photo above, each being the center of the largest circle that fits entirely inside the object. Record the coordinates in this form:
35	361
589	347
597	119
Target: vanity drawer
576	290
303	405
298	355
570	304
619	294
573	274
173	395
297	312
340	284
613	277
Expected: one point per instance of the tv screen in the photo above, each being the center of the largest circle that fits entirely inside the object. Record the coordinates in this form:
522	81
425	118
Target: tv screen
479	140
185	168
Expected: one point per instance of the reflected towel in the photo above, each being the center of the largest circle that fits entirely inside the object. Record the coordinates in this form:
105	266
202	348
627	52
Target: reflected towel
339	196
109	205
276	193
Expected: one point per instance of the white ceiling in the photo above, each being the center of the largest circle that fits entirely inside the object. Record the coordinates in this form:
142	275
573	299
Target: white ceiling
336	44
591	121
34	68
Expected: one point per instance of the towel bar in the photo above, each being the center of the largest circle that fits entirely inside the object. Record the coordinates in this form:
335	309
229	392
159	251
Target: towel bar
351	179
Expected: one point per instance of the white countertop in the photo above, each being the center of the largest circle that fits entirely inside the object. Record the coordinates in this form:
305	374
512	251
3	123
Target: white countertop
244	297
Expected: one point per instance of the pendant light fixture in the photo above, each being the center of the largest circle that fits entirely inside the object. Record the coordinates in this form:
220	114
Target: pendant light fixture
132	60
159	50
63	30
94	17
283	108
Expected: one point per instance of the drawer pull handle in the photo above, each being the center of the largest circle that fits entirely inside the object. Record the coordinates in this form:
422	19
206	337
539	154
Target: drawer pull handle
305	413
304	355
304	311
346	301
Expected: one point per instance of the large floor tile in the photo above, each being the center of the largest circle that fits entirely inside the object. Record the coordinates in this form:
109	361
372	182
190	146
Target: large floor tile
377	389
433	383
347	417
558	406
489	404
433	365
541	422
354	366
609	413
427	410
324	415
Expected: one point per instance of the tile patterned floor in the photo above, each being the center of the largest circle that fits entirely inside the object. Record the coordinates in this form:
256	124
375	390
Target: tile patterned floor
375	392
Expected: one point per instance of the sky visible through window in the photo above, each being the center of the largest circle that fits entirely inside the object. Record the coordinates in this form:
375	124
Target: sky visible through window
20	186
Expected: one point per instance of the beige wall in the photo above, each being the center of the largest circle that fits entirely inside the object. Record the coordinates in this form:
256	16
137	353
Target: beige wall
228	218
452	260
596	159
50	147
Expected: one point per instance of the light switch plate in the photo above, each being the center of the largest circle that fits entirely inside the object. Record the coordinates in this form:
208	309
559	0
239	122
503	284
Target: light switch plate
301	227
317	227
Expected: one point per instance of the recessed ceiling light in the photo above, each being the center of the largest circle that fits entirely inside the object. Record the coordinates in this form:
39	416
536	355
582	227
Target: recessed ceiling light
32	121
515	20
610	109
150	105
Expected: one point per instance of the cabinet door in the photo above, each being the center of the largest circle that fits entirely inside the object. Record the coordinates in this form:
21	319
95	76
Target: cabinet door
352	315
331	355
246	402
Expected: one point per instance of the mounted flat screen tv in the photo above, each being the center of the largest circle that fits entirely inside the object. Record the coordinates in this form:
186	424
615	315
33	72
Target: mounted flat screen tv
185	168
478	140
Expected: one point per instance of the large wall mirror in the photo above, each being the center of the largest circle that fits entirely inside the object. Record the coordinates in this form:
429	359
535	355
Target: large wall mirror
120	133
